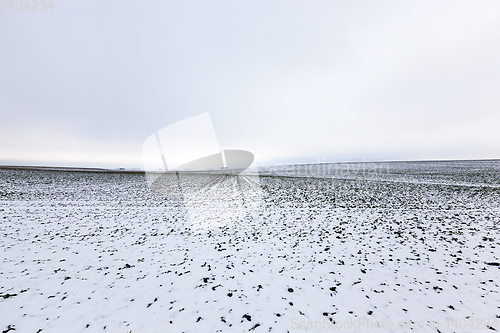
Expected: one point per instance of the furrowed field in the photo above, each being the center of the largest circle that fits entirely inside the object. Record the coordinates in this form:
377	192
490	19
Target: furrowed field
415	247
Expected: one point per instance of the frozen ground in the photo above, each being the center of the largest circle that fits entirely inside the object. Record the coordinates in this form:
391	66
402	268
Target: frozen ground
96	252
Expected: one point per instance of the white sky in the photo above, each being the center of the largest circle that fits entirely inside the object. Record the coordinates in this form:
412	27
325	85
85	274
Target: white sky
290	81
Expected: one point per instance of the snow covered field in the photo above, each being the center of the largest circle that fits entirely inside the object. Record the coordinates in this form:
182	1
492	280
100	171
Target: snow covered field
415	247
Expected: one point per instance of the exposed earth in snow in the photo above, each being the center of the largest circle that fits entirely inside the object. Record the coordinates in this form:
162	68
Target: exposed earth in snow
407	247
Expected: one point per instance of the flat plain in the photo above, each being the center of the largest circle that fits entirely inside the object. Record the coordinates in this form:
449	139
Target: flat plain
396	247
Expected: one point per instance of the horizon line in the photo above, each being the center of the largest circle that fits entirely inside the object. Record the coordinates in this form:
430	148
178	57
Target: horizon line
138	170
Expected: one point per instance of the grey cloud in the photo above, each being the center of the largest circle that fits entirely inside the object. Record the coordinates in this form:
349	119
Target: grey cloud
290	81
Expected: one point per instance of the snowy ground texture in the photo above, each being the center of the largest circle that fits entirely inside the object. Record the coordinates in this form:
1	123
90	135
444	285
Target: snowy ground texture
96	252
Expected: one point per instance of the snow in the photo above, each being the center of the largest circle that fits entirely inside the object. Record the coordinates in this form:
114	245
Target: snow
97	252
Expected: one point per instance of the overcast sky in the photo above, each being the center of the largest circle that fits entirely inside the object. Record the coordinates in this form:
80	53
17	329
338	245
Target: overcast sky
86	83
